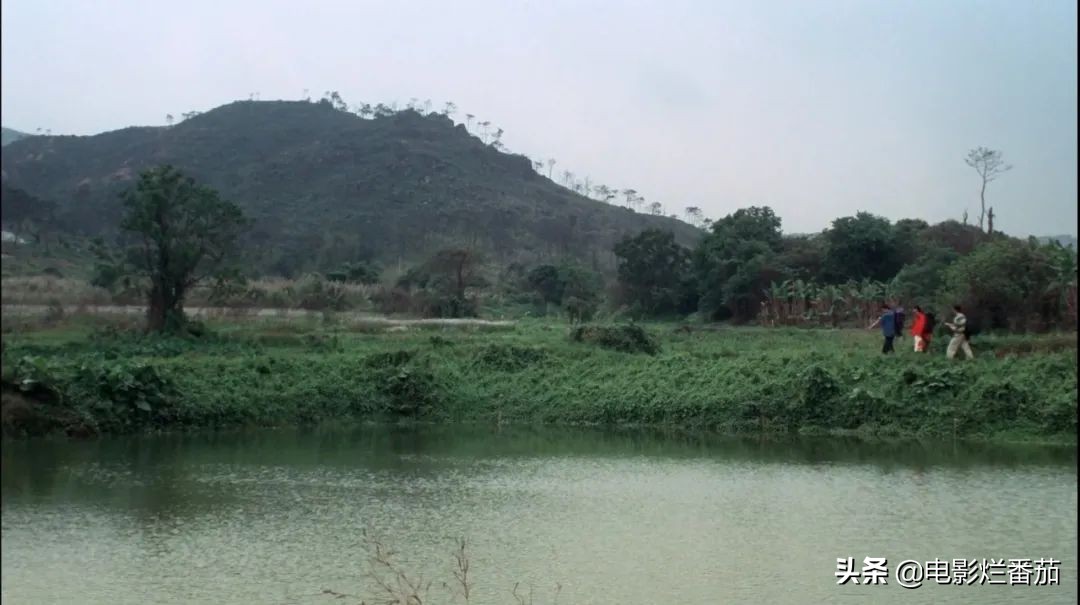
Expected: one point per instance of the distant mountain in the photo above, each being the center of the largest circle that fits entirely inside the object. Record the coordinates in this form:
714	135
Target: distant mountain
327	187
1064	240
7	135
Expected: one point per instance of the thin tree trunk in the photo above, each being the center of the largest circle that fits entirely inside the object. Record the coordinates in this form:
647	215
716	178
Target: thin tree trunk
982	203
165	310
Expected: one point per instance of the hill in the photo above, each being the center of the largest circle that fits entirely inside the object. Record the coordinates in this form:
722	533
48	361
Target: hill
327	187
1065	240
8	135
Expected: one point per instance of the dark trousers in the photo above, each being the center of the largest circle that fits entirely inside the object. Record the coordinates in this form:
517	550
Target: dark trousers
887	347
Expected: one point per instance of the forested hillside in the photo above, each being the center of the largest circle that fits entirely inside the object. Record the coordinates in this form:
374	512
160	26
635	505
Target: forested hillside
326	187
9	135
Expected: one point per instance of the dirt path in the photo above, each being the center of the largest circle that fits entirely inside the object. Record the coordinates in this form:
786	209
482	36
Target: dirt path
209	312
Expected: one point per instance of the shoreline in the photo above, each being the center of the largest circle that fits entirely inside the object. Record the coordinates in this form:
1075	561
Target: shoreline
735	381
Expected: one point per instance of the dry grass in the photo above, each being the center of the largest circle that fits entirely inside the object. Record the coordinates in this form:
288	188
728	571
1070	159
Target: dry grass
274	293
46	289
390	583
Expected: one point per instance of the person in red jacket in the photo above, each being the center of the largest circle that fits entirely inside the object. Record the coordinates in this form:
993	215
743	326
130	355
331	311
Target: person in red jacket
920	330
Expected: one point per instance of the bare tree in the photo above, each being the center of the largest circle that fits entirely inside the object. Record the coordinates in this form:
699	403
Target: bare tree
989	164
990	220
567	177
551	166
693	215
631	197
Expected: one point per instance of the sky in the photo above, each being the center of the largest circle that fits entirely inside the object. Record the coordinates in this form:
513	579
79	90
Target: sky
818	109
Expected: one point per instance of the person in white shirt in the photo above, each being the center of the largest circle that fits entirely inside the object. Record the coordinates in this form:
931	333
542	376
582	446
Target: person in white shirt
959	340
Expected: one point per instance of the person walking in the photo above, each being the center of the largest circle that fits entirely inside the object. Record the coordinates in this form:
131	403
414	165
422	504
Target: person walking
959	340
887	321
929	323
918	327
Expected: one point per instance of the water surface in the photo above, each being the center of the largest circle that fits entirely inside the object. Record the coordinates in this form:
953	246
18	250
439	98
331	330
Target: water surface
611	517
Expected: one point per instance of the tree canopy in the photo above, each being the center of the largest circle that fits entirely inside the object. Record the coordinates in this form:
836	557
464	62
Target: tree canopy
179	234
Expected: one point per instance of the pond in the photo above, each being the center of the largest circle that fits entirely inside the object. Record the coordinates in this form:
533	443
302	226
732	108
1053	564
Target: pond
577	516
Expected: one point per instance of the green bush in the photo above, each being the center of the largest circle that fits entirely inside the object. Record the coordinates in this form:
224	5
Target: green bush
408	391
509	358
628	338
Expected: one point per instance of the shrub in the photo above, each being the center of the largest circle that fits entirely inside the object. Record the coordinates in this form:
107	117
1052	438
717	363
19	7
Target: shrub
578	310
54	313
390	359
317	294
409	391
509	358
628	338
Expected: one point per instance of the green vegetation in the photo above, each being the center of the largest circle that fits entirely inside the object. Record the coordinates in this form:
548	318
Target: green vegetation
327	187
346	209
179	234
77	378
10	135
745	269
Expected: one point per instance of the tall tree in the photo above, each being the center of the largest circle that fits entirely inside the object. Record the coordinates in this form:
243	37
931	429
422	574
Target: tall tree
735	261
693	215
863	246
652	271
182	234
989	164
551	166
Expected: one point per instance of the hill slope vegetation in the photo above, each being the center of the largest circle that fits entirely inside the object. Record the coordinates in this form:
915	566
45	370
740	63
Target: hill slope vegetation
327	187
10	135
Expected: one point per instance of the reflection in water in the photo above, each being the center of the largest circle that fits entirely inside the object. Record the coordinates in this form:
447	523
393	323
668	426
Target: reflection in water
613	516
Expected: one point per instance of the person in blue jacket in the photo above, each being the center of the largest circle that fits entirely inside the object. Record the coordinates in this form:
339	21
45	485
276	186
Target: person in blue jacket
887	321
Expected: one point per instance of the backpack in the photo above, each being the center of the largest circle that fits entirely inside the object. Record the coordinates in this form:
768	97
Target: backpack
931	323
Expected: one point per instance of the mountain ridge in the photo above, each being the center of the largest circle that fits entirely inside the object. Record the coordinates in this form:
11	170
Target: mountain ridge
10	135
330	185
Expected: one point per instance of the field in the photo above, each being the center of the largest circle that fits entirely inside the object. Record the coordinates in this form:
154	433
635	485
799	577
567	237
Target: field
83	374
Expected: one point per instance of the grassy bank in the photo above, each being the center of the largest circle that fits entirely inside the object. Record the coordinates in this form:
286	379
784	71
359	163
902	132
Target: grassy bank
78	377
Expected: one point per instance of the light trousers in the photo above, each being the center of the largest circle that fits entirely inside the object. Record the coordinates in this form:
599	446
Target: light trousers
958	342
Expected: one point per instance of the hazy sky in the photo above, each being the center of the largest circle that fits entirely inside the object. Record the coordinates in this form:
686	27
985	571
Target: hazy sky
816	108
